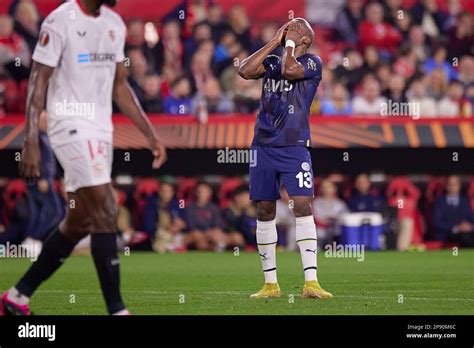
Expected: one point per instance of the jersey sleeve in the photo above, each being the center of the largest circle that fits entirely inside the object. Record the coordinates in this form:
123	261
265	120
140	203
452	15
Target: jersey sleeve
50	45
313	66
120	54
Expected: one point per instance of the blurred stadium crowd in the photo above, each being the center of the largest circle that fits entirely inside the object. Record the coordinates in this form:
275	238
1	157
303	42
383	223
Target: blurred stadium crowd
179	213
374	52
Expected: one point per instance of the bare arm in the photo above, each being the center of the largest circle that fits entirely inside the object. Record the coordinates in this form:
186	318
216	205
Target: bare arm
291	69
37	86
127	102
251	68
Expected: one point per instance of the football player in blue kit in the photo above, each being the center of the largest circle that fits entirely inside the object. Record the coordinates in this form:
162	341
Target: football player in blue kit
281	141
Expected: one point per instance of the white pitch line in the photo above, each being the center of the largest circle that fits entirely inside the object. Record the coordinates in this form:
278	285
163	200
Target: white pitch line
152	292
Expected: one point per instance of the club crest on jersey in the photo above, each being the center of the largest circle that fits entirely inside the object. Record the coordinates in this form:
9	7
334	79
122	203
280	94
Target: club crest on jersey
43	38
112	35
272	85
305	166
312	65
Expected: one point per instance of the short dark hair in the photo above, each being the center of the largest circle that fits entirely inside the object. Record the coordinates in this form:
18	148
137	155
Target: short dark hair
241	189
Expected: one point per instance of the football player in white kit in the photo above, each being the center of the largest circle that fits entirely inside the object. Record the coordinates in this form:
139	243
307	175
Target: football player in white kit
79	63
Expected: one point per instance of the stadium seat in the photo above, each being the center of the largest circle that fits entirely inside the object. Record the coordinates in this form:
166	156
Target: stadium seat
228	186
186	188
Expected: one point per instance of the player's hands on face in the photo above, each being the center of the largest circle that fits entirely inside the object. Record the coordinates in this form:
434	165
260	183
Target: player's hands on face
30	164
280	34
159	152
295	32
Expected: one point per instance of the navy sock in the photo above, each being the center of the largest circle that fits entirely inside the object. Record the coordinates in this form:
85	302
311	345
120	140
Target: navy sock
104	252
55	250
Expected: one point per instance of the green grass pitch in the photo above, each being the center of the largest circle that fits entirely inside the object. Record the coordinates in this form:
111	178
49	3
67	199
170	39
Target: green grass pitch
220	283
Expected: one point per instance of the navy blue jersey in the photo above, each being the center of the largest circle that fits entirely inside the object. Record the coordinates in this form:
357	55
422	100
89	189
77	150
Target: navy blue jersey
283	118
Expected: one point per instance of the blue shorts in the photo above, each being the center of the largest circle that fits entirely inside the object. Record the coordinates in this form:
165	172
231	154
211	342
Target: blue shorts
289	166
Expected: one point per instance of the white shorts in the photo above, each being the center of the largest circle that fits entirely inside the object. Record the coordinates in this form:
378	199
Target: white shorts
86	163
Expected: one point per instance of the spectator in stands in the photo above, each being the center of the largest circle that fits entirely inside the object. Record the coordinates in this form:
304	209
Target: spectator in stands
455	8
383	73
173	48
417	95
27	22
453	217
396	89
166	217
240	25
375	32
201	32
227	48
229	77
403	23
461	37
362	199
392	10
124	221
138	72
348	20
188	13
328	209
437	84
151	94
466	70
199	70
152	51
204	222
179	101
454	102
213	99
406	64
427	14
15	56
240	219
215	19
349	71
371	60
439	61
370	101
417	41
267	33
247	94
338	103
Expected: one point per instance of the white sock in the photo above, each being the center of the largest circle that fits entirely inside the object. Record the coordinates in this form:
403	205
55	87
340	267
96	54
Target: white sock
266	241
15	296
306	239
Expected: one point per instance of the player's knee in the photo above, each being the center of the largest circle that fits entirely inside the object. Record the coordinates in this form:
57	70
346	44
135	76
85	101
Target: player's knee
75	232
266	211
300	210
105	218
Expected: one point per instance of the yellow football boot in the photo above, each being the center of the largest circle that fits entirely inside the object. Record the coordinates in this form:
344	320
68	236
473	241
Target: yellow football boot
269	290
312	289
